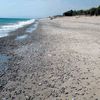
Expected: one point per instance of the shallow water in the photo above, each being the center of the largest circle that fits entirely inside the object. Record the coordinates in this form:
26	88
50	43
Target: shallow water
21	37
32	28
3	62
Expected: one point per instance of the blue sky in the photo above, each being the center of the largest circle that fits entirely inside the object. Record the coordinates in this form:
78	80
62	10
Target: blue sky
42	8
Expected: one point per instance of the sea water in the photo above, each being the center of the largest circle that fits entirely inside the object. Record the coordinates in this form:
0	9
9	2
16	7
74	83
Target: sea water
3	62
10	24
6	26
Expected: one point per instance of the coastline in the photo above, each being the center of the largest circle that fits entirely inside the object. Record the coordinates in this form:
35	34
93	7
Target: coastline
59	61
7	46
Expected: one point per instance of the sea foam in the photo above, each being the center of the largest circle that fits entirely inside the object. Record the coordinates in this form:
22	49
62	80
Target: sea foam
5	29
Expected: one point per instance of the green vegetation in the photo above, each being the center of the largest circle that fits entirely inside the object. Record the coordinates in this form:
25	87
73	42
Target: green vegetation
90	12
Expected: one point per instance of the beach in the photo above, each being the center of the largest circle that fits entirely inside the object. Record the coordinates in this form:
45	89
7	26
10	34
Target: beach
60	60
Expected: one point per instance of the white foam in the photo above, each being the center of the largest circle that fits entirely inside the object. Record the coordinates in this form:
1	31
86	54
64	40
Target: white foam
32	28
22	37
4	30
3	35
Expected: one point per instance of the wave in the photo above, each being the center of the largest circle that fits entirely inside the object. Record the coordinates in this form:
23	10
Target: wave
32	27
5	29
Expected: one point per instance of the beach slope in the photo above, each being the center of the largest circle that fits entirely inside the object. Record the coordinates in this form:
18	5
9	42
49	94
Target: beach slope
61	61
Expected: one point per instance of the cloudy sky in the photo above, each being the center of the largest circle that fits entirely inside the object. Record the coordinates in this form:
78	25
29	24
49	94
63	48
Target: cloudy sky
41	8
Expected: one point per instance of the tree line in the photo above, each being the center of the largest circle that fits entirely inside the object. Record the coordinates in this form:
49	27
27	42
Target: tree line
91	12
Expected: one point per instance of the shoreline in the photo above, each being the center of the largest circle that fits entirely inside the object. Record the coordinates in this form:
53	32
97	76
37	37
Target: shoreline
60	61
7	46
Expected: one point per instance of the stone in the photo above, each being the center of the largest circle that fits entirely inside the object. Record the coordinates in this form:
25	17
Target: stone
62	90
66	93
40	84
73	99
27	97
4	99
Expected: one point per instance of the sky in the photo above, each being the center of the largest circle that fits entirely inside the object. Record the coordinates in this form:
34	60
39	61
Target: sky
42	8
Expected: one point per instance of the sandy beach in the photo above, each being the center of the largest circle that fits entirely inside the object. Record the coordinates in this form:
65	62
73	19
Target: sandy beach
60	60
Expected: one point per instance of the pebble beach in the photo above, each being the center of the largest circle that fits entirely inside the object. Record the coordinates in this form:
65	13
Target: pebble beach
60	60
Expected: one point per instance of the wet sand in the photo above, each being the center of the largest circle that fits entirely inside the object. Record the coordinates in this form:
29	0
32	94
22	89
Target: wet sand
59	61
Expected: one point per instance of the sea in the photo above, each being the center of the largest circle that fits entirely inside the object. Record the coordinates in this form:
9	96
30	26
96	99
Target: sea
11	24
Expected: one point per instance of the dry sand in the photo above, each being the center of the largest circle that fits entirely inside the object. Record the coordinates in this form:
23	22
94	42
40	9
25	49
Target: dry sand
62	62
